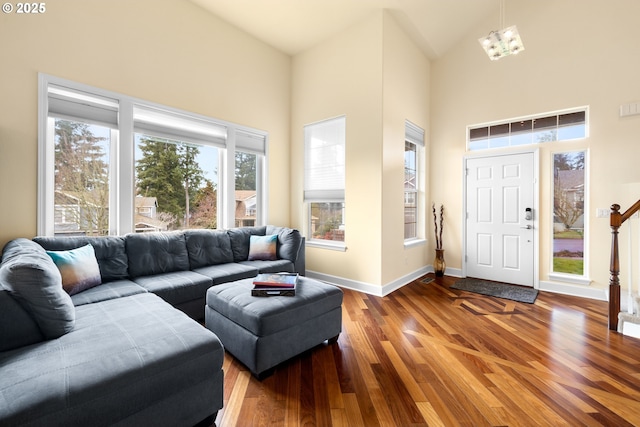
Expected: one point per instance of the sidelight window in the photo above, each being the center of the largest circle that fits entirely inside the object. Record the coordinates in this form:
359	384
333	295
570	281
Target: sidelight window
569	213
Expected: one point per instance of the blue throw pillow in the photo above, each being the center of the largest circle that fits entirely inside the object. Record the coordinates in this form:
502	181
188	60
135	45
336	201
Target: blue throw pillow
78	267
263	248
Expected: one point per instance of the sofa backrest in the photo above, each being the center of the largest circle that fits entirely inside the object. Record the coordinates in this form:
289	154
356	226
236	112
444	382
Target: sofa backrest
110	252
240	239
208	247
156	253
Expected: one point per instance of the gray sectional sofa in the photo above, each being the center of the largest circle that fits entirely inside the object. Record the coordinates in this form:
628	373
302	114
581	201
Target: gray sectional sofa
127	351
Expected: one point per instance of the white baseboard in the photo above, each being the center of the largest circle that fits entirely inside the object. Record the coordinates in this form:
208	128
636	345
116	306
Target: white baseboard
377	290
574	290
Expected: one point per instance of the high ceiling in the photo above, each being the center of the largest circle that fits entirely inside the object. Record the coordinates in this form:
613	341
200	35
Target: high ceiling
293	26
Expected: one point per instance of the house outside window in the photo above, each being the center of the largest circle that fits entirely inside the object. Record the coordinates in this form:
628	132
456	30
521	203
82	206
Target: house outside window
111	164
413	185
325	182
81	188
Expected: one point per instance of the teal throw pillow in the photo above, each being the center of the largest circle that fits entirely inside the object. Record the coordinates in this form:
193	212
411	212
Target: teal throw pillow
78	267
263	248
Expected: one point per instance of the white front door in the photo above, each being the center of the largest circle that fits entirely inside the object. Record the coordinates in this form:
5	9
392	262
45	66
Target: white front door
500	219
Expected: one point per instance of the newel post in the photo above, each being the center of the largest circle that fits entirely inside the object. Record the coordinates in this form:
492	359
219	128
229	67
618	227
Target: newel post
615	220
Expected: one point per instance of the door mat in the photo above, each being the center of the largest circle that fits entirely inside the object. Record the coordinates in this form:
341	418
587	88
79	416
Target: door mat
497	289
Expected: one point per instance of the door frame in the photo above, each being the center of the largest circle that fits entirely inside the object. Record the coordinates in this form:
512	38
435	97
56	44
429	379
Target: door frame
536	205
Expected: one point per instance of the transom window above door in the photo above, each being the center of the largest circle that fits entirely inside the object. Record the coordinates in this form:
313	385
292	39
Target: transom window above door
558	126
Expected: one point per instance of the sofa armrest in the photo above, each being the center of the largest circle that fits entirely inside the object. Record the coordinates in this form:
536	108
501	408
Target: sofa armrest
289	242
299	263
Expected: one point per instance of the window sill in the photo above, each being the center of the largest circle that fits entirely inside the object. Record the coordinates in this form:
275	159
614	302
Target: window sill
410	243
569	278
334	246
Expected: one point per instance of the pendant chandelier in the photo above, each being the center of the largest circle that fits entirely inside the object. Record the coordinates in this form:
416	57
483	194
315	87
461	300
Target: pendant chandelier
501	43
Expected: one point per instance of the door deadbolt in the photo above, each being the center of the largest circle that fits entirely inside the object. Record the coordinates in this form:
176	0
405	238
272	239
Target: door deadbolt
528	214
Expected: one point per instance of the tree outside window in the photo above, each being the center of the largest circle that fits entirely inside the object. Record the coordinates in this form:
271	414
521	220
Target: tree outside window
81	178
246	166
172	188
568	212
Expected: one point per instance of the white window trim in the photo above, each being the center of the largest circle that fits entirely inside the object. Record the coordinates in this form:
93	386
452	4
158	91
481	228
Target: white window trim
122	192
415	135
584	108
576	279
324	196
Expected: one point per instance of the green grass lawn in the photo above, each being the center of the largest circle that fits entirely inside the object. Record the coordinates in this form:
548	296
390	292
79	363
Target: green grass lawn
568	234
568	265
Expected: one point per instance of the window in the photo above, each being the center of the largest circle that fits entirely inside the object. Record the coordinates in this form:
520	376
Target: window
177	162
413	145
249	163
82	134
562	126
325	180
178	180
111	164
569	214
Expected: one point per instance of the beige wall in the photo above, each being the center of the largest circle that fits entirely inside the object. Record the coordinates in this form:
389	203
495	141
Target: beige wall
343	76
406	79
577	52
377	77
170	52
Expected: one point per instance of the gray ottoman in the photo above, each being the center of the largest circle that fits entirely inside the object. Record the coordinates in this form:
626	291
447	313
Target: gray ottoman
262	332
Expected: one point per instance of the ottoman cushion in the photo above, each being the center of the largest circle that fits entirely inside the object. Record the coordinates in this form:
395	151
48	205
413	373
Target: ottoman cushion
267	315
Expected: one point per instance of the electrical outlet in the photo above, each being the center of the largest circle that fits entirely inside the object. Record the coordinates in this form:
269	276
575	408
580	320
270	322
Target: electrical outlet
602	212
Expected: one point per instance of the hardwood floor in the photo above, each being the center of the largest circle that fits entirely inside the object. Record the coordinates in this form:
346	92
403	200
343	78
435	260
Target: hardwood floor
430	355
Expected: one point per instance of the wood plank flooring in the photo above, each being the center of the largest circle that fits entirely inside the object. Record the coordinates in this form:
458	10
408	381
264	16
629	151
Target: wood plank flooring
427	355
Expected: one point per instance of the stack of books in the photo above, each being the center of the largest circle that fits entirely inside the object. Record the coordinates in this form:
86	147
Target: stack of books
274	284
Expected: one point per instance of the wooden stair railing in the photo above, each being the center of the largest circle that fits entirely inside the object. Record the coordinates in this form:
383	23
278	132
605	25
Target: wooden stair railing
616	219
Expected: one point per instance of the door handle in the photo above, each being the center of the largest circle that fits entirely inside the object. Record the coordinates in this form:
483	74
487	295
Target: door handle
527	227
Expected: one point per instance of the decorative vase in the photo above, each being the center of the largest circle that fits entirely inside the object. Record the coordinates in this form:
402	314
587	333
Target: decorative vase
438	263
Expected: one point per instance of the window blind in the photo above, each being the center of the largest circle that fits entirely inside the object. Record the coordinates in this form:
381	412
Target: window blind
325	160
179	127
71	104
251	142
413	133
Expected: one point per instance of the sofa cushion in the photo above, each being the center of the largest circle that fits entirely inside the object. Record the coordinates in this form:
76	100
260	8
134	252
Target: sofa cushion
240	240
110	252
277	266
176	287
107	291
230	272
156	253
263	248
34	280
208	247
125	355
17	327
78	268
